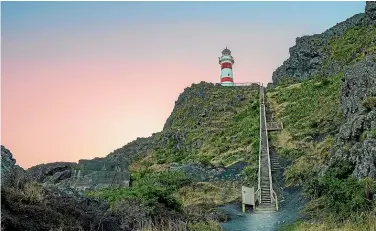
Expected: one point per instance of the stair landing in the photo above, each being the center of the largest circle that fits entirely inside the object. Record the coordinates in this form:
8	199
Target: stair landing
265	208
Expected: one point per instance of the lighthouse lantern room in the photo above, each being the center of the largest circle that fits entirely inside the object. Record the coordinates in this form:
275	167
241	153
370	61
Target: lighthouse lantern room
226	61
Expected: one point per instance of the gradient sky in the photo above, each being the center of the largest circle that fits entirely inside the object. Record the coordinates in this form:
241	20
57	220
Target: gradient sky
80	79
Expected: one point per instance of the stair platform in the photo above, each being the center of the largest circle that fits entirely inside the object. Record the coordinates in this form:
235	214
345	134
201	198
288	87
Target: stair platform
265	208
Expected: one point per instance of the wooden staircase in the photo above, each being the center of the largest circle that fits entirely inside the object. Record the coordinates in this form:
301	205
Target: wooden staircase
265	194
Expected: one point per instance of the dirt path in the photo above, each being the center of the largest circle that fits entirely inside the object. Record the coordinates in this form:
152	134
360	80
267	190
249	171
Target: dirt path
288	213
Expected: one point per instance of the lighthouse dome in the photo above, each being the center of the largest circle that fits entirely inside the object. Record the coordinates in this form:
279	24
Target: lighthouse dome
226	52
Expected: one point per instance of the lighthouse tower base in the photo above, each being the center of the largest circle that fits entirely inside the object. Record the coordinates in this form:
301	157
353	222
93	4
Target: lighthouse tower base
228	84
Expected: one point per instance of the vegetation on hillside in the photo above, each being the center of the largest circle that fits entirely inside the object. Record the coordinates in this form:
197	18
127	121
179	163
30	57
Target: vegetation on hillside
353	45
155	201
211	125
310	112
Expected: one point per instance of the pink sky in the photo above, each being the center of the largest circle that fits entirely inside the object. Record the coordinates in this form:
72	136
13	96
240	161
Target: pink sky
71	93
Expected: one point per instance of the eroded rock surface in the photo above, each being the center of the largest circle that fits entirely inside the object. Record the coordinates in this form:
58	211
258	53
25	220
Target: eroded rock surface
355	141
27	205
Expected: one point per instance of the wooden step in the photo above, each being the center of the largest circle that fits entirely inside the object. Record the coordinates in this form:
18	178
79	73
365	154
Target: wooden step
265	208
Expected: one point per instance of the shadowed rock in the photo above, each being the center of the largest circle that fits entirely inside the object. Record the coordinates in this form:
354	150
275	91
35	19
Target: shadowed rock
353	142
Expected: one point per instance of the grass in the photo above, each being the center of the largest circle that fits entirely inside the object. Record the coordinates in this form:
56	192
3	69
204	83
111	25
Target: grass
310	108
33	192
369	103
216	125
150	189
215	193
310	112
353	45
361	222
205	226
211	125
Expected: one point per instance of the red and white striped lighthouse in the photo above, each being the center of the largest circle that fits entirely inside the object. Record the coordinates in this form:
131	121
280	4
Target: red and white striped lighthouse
226	61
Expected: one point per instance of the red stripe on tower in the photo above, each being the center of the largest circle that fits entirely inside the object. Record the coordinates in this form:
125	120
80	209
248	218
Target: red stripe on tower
226	65
226	79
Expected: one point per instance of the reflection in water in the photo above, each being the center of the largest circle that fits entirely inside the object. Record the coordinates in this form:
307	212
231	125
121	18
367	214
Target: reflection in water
250	221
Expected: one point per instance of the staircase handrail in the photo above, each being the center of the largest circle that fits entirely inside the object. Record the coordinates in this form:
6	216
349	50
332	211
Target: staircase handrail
260	147
275	198
267	151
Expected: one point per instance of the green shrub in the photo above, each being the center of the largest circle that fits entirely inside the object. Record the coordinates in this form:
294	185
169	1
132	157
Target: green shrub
250	175
205	226
300	172
372	133
291	153
369	103
33	192
337	195
151	189
338	199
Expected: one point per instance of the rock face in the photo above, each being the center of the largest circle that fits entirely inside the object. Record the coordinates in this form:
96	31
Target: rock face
86	174
371	10
9	169
94	174
134	149
309	57
27	205
356	141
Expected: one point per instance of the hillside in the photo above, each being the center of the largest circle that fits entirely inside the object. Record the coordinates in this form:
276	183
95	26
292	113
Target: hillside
211	125
329	116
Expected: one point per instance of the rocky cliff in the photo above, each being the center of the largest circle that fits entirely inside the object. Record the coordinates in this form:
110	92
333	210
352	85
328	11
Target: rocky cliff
356	139
9	169
327	53
28	205
348	49
112	170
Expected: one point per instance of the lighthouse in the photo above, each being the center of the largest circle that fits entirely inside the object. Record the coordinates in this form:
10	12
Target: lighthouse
226	61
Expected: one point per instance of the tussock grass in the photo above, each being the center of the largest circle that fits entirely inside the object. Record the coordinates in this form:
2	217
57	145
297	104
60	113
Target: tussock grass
363	222
205	226
216	193
311	114
33	192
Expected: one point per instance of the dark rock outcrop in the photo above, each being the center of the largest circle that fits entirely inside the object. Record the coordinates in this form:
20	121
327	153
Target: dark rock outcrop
9	170
309	57
86	174
52	172
371	10
97	173
134	149
28	205
355	142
